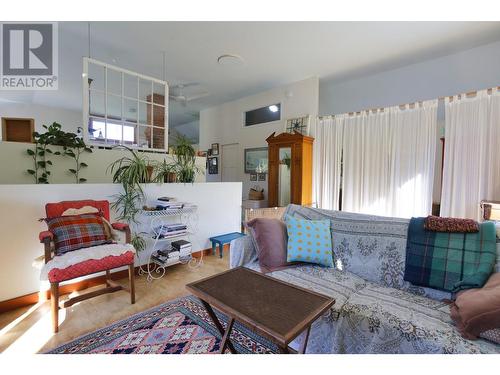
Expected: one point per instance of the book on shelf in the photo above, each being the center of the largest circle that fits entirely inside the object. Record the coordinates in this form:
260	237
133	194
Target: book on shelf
165	199
169	234
180	244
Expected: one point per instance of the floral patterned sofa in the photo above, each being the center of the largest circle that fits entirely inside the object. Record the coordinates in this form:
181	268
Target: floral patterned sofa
376	311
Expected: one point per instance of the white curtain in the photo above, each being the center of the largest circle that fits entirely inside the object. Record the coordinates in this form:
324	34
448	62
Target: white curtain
471	154
413	157
366	146
388	161
327	151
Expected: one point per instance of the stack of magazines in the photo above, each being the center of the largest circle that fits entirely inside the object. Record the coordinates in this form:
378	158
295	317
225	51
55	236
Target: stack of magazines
182	247
169	230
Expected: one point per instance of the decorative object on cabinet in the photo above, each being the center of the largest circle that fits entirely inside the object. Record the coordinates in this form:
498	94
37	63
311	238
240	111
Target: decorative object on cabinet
290	169
58	269
213	165
215	149
298	124
261	176
256	193
256	160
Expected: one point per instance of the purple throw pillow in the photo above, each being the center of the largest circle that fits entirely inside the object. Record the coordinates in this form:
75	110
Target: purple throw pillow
270	239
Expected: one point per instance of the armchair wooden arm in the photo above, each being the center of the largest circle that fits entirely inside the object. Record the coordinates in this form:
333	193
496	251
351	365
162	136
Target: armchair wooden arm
46	237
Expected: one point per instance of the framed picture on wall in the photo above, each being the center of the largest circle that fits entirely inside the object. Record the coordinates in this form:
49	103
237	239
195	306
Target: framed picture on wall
215	149
253	176
213	165
256	160
261	176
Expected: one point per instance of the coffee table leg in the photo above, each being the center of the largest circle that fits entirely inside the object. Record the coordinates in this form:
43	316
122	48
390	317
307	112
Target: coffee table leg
225	334
303	346
225	338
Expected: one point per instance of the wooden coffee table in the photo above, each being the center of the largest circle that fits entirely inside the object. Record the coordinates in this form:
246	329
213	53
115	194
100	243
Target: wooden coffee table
277	310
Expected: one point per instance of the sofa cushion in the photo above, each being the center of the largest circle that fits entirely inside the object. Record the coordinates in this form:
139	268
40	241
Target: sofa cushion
309	241
478	310
270	242
377	319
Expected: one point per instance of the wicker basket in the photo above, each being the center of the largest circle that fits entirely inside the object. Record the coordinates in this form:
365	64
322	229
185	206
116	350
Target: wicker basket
256	195
271	213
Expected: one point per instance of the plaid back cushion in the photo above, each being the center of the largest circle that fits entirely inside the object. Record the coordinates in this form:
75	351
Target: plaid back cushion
77	232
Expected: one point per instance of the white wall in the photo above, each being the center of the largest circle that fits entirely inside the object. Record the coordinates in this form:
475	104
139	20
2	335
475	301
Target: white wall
465	71
43	115
224	124
219	211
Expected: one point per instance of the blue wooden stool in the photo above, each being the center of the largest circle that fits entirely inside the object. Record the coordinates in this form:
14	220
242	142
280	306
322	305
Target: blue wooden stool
223	239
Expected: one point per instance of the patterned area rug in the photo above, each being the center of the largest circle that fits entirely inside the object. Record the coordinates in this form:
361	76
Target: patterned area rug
181	326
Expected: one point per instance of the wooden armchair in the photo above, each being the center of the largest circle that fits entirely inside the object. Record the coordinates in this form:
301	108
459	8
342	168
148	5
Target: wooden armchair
87	267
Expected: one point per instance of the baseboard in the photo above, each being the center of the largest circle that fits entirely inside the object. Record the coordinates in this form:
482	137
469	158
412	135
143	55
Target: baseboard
32	298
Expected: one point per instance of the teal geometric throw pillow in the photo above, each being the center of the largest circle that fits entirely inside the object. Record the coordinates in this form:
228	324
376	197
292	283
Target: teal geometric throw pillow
309	241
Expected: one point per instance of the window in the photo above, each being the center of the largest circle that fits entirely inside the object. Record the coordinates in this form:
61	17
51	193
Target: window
262	115
123	107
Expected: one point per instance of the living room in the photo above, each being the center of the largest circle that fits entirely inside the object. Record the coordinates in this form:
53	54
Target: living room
213	186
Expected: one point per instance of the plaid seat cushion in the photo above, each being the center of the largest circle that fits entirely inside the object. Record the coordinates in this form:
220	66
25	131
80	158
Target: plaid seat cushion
77	232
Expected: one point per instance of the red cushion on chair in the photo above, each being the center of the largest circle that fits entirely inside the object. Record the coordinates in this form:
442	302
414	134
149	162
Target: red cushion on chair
57	209
88	267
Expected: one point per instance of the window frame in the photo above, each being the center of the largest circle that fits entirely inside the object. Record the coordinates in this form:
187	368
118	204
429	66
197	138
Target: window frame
87	116
244	112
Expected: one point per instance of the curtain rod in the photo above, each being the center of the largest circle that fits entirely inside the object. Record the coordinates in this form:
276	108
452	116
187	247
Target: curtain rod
412	105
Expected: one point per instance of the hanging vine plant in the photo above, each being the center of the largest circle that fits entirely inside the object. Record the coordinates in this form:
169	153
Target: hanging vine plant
73	146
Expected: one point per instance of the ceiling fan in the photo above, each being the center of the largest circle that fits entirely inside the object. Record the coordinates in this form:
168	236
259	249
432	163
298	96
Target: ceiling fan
181	97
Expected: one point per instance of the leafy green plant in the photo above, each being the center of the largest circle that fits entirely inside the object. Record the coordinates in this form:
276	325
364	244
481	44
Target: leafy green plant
185	159
131	170
73	146
138	242
39	154
165	172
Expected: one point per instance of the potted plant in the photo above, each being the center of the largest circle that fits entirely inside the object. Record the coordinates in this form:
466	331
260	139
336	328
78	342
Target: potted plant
165	172
185	159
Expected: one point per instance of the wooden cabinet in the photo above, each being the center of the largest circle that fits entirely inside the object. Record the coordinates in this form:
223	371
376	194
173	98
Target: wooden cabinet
290	162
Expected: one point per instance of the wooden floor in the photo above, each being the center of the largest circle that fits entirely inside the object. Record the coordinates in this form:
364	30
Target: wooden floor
28	330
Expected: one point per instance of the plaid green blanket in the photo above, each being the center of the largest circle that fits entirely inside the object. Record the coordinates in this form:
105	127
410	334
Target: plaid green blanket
449	261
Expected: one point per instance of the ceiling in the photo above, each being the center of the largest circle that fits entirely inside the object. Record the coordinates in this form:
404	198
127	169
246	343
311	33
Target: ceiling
274	53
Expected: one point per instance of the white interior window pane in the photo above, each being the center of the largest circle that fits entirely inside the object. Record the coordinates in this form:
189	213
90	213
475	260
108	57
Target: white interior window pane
145	113
158	93
145	90
159	116
114	107
114	82
96	76
159	138
97	130
96	103
114	132
129	134
130	110
130	83
144	136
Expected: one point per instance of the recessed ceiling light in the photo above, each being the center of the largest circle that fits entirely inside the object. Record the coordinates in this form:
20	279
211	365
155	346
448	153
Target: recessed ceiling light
230	59
273	108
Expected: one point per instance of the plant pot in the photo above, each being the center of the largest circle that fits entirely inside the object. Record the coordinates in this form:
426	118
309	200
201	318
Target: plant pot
170	177
150	170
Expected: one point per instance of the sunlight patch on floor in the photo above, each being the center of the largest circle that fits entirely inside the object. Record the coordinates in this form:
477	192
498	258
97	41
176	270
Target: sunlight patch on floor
36	336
